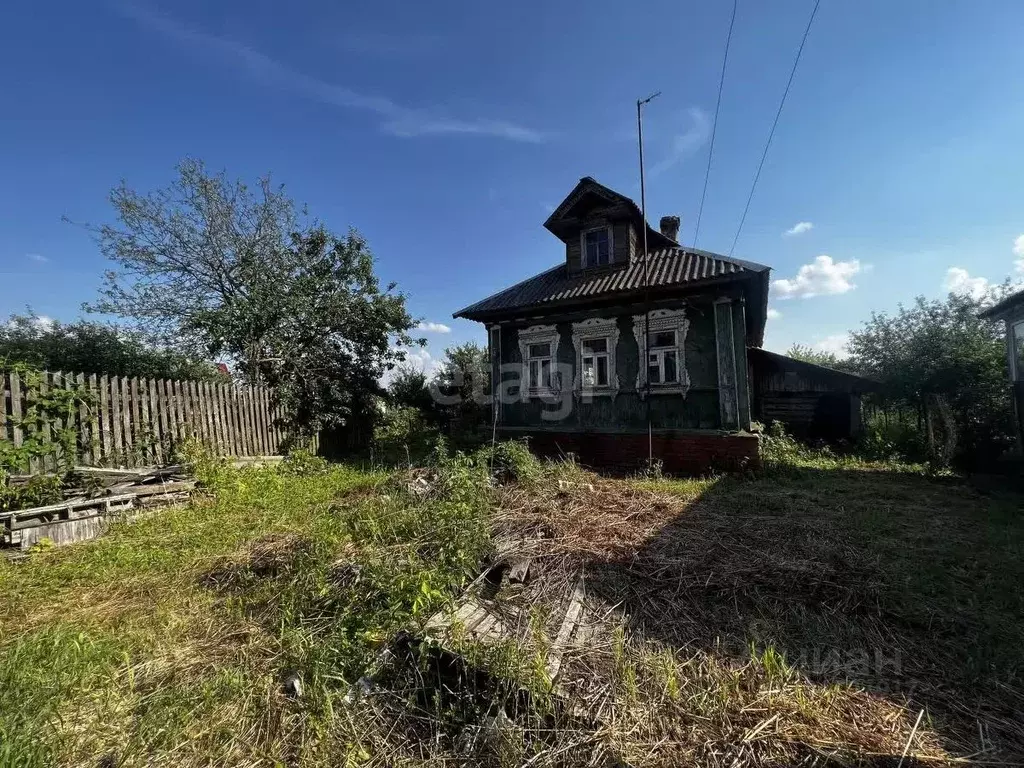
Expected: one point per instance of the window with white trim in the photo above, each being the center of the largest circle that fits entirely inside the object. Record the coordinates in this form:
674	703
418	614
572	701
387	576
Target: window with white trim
597	247
595	363
538	366
662	357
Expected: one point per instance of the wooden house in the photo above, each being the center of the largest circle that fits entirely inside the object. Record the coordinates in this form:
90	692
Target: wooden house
608	355
1011	311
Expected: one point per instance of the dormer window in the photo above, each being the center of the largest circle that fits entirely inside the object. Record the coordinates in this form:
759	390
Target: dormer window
597	247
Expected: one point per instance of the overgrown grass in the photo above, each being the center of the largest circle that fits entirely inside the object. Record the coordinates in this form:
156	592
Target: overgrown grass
731	617
170	637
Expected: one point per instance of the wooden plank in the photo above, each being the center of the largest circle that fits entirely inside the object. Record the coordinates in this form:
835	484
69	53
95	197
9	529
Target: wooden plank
206	401
218	421
183	410
105	419
92	387
45	427
168	413
154	420
227	392
5	409
267	423
222	431
199	411
144	429
84	443
250	414
125	417
18	434
262	438
138	433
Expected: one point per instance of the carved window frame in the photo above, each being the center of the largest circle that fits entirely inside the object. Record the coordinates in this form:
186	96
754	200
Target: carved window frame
538	334
592	329
662	320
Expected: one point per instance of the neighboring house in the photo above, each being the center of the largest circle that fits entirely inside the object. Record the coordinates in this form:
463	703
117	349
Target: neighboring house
1011	311
589	355
811	400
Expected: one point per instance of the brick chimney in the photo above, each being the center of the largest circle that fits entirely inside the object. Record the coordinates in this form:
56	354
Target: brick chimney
669	226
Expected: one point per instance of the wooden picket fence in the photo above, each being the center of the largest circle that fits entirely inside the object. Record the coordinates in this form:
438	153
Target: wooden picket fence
134	422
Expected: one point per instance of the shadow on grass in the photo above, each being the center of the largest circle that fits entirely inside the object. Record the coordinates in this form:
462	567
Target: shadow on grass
907	587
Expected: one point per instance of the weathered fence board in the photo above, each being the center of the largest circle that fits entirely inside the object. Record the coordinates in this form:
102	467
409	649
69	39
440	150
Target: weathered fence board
133	422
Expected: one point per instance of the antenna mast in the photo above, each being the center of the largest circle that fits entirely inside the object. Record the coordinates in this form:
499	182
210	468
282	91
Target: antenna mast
645	363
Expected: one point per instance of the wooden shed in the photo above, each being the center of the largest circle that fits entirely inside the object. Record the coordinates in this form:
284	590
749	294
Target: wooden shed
810	400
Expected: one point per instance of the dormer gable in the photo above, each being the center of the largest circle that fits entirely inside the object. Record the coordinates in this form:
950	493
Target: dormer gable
601	229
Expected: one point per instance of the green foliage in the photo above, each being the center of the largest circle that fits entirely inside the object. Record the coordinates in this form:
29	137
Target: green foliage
209	265
90	347
59	445
941	347
409	389
463	382
512	462
303	462
820	357
403	436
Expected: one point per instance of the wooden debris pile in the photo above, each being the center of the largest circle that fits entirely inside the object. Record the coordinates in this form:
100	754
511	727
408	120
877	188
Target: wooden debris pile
94	497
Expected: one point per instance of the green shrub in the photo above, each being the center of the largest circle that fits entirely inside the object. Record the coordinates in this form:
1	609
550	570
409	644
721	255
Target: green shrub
403	436
512	462
303	462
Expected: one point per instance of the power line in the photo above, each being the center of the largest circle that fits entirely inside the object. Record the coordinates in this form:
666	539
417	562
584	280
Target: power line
771	133
714	125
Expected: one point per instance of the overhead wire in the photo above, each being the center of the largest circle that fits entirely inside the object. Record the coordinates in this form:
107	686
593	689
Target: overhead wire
714	125
771	133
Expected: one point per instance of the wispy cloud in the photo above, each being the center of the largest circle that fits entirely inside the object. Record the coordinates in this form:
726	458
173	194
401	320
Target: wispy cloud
958	280
836	344
799	228
1018	251
822	277
686	143
396	119
430	327
36	257
773	314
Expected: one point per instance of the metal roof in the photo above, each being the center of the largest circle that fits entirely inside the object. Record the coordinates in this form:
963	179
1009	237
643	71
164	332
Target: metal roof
1004	307
666	267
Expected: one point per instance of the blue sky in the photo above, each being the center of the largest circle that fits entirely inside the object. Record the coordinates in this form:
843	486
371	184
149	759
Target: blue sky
446	132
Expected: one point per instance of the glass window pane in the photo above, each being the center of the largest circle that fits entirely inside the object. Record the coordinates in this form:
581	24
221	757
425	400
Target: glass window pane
662	339
595	345
602	371
670	366
654	373
588	371
545	373
534	376
540	350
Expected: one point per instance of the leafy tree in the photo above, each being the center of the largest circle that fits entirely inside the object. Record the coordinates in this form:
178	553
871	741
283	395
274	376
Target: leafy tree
207	264
808	354
942	348
409	388
461	387
89	347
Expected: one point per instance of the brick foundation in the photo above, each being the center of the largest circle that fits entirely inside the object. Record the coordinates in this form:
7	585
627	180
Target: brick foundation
680	452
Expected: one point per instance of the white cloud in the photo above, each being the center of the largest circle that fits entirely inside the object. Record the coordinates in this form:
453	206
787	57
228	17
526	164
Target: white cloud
37	257
430	327
958	280
799	228
685	144
1018	251
836	344
396	119
822	277
773	314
